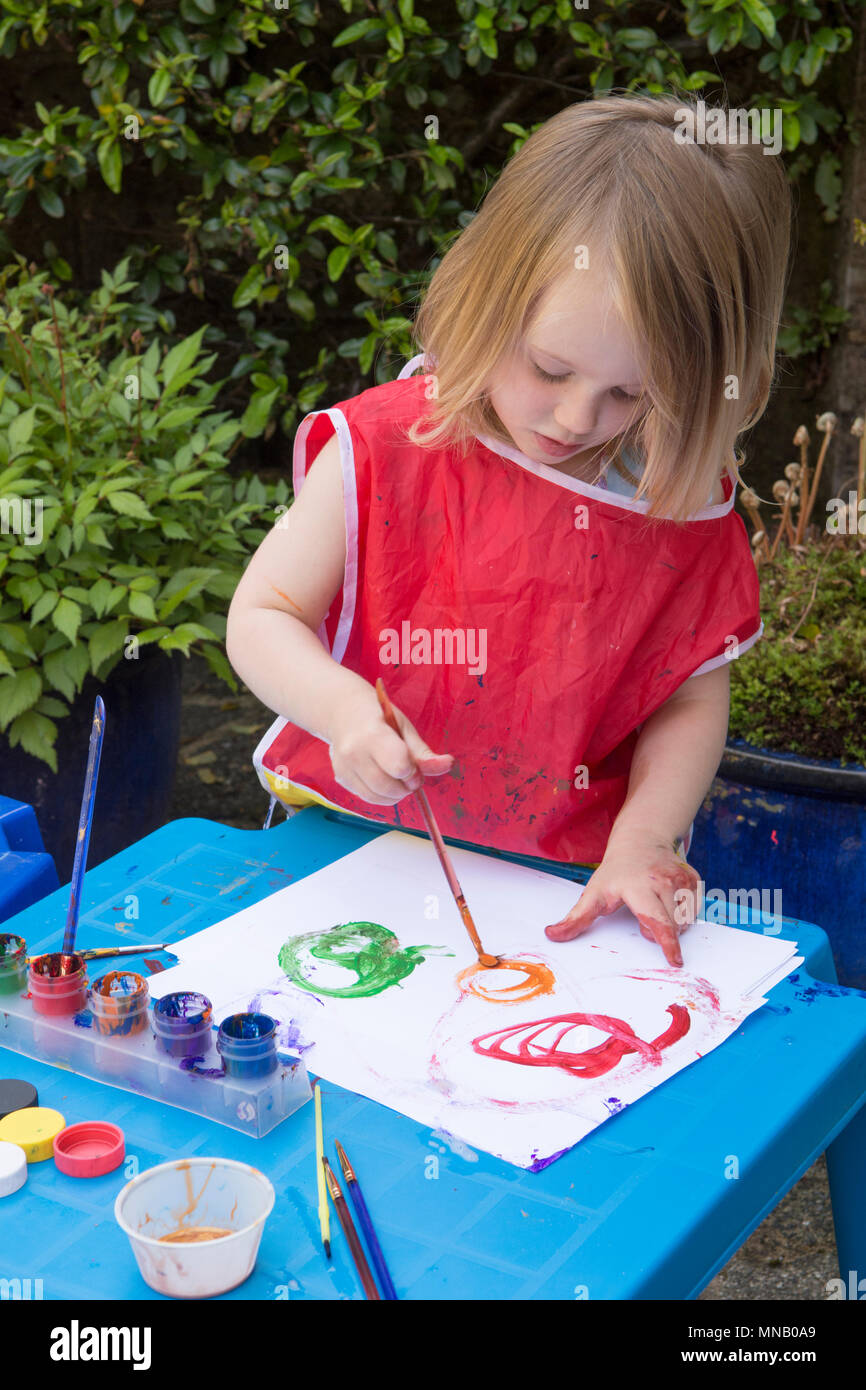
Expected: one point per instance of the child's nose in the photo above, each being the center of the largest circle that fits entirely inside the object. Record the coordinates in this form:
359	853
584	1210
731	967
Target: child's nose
577	413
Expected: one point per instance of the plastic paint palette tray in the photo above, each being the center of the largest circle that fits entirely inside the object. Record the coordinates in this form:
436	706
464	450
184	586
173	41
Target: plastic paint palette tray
138	1063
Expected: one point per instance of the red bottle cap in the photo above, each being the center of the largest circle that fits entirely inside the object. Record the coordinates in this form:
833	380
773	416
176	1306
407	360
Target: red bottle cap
89	1149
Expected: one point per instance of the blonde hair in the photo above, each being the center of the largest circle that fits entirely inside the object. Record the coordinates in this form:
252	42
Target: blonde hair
696	240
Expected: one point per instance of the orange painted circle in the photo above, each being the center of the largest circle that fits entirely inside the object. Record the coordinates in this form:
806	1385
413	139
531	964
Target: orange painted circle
478	980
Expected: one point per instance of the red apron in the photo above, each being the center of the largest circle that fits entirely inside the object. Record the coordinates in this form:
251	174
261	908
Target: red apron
524	621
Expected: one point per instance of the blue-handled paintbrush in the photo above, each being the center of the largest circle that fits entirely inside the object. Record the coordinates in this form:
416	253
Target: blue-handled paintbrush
85	821
366	1223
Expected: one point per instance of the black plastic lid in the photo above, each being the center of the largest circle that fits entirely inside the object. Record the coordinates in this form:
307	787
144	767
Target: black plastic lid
16	1095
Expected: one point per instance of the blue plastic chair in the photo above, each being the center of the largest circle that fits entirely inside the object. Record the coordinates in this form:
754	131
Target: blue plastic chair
27	871
650	1205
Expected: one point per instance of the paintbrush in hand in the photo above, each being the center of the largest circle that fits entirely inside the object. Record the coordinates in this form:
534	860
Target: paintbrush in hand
351	1234
436	836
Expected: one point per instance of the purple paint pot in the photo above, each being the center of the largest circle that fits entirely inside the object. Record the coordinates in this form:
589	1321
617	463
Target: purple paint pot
182	1023
248	1045
58	983
13	964
118	1003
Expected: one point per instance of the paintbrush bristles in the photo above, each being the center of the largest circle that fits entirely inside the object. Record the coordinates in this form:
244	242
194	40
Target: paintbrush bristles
333	1185
348	1171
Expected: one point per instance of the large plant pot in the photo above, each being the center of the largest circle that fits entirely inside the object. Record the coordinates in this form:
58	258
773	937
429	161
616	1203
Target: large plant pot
778	821
136	774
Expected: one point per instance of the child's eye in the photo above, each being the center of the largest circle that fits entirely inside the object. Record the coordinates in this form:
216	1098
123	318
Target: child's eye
548	376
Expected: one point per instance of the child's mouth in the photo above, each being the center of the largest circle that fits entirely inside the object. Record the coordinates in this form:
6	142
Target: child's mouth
552	446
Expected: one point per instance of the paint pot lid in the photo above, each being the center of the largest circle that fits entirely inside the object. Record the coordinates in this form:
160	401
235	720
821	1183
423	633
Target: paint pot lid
16	1095
34	1130
13	1168
89	1149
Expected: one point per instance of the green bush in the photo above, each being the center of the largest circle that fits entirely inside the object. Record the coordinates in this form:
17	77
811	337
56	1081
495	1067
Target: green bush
307	185
122	523
802	687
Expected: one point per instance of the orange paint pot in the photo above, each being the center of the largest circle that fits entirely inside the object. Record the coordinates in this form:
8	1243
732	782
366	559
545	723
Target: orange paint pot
118	1003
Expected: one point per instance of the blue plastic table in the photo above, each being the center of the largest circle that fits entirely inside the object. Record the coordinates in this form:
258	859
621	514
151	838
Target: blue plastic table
644	1207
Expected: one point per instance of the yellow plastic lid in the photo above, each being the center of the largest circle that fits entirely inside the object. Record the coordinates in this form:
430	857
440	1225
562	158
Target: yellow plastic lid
34	1130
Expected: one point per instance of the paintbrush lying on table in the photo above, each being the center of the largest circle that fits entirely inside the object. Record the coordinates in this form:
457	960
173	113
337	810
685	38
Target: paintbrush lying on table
435	835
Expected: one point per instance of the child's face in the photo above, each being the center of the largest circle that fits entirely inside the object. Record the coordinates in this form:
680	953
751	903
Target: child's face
578	337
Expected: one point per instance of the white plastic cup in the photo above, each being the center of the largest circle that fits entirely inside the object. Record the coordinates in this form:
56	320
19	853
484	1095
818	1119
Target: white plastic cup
221	1193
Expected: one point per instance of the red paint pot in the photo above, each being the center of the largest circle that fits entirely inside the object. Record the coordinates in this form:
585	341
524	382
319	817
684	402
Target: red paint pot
118	1003
58	983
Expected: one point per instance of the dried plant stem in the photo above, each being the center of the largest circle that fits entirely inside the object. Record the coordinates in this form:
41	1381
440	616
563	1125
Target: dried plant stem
784	526
803	488
817	478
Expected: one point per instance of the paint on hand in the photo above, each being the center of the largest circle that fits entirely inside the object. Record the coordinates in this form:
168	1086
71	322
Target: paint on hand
371	951
491	984
595	1061
286	597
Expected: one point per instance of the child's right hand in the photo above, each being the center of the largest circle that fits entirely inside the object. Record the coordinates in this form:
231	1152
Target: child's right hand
369	759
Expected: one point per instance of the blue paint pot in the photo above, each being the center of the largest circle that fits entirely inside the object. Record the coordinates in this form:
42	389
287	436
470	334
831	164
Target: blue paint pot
248	1045
182	1023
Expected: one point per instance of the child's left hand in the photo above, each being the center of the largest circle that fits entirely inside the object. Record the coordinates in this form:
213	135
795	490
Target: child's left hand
642	872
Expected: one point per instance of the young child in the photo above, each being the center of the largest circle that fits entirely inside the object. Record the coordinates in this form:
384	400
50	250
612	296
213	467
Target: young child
553	640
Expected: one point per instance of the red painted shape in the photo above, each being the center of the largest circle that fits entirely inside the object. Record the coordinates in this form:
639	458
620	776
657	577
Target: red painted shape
595	1061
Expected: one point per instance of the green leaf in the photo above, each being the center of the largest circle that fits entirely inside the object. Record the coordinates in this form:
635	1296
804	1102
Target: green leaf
184	584
257	413
99	596
637	39
158	86
110	162
249	287
49	705
142	606
181	356
218	662
67	618
106	640
180	415
65	669
337	261
21	429
127	504
36	735
50	201
17	694
358	31
761	17
14	639
828	183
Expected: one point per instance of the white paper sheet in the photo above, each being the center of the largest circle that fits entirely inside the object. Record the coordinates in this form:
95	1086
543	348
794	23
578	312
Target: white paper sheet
431	1048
